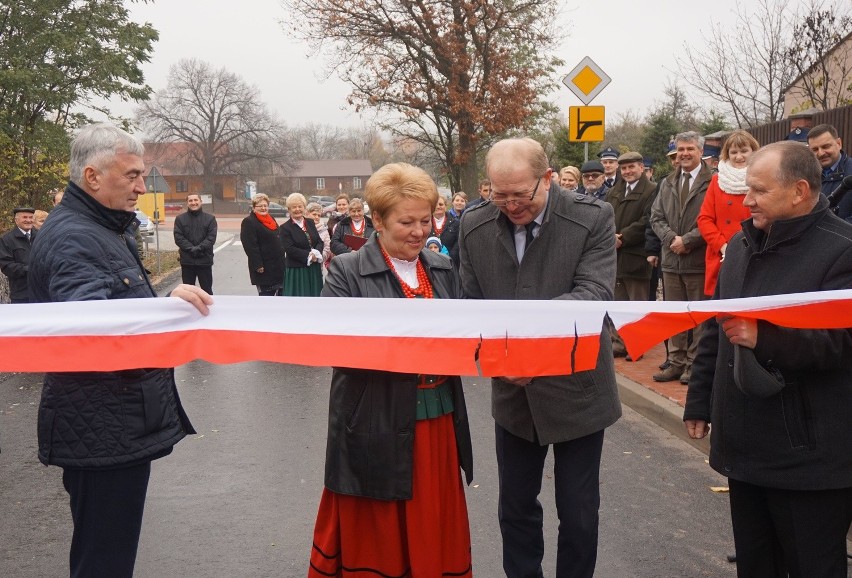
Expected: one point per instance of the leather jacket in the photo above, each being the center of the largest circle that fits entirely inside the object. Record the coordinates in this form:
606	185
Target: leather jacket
371	417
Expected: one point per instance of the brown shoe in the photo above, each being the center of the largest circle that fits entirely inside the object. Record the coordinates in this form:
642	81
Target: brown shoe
684	378
671	373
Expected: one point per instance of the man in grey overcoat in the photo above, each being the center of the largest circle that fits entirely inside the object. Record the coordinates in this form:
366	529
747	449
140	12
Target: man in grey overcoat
534	240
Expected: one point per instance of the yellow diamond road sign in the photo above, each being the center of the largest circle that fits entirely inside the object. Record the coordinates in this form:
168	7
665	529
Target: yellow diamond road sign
587	80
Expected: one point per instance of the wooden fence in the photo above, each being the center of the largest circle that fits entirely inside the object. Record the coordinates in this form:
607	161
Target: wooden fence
840	118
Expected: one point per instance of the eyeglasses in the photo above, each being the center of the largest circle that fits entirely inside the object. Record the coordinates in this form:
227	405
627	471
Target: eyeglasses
519	200
592	176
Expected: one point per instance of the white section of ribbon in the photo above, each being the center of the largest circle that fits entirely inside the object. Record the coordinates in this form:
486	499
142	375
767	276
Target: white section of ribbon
363	316
309	315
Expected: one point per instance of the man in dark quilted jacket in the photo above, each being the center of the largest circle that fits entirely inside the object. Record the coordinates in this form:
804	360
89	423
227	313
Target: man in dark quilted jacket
103	427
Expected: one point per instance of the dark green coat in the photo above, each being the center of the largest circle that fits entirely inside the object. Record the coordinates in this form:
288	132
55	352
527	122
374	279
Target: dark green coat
631	219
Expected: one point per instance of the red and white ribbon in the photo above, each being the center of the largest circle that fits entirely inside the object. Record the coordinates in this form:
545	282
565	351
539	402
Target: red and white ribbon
407	335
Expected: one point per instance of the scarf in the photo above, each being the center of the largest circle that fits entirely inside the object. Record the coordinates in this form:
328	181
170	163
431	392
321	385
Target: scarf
267	221
731	179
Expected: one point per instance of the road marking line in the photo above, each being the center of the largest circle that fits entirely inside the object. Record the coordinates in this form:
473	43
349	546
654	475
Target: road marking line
225	244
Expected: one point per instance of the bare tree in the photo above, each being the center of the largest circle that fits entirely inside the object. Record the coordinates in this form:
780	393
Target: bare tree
626	131
819	53
365	143
220	114
452	72
315	141
744	67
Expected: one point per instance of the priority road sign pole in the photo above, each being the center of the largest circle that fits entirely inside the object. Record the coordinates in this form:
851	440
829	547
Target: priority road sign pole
586	81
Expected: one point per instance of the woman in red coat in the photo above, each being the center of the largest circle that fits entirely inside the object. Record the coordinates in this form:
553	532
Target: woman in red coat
723	211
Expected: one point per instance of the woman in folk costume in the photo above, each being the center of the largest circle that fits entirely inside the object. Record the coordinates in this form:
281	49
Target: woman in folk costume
354	225
722	210
314	211
303	251
393	503
445	226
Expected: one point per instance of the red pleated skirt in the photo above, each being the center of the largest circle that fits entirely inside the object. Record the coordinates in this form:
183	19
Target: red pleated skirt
427	536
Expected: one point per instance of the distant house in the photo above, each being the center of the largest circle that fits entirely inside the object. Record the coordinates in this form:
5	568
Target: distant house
329	177
184	174
840	80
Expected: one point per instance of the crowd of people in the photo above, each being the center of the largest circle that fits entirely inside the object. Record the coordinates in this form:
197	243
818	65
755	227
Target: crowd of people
399	447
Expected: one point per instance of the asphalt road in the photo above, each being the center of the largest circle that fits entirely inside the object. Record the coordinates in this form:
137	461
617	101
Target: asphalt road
239	498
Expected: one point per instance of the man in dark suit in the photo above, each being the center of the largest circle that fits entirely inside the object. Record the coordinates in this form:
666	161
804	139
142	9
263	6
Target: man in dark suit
535	240
15	254
609	160
631	199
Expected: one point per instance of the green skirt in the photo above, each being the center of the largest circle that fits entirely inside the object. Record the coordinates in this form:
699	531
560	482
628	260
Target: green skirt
303	281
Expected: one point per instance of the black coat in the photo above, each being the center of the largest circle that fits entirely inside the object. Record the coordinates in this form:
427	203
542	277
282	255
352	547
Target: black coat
263	248
800	437
831	181
195	236
449	234
15	262
344	227
371	416
296	244
87	252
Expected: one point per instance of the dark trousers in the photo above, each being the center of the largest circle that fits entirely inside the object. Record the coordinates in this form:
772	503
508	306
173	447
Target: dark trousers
520	465
204	274
780	533
106	508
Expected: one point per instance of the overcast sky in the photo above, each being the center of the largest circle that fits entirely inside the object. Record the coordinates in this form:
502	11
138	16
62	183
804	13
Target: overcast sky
631	41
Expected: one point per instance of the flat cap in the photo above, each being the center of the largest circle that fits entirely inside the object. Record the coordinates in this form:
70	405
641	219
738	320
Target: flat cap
608	153
591	167
630	157
17	210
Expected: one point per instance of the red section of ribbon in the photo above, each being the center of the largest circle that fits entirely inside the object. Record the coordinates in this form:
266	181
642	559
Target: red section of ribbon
518	357
108	353
642	335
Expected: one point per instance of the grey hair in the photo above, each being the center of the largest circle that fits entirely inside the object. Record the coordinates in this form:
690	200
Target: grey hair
96	145
690	136
313	206
294	198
